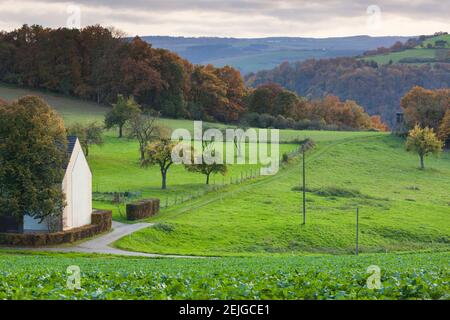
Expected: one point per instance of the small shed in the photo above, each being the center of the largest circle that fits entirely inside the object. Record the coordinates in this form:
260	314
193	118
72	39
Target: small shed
77	187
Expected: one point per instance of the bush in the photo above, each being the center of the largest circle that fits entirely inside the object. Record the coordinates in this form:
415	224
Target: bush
250	119
302	124
266	120
280	122
164	227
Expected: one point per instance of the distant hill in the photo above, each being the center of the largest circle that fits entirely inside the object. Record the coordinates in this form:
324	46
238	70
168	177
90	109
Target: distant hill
250	55
376	87
431	50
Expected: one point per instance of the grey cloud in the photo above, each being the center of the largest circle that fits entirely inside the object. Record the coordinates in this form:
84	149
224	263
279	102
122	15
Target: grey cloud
190	17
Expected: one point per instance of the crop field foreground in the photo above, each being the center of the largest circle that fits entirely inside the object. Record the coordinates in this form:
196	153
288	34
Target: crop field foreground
402	276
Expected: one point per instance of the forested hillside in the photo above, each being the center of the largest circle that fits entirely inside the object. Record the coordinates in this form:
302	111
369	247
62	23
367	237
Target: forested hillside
378	88
97	64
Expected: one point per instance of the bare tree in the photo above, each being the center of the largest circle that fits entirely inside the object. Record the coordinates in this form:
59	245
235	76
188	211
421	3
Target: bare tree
143	128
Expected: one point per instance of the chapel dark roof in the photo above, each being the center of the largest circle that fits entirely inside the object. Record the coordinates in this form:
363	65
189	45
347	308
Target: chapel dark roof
71	140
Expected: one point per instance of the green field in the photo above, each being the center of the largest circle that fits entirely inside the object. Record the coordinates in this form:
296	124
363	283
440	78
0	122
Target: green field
403	276
255	226
445	37
401	207
395	57
116	168
419	52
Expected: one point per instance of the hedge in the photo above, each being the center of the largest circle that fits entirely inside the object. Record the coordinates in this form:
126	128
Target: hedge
102	219
101	222
142	209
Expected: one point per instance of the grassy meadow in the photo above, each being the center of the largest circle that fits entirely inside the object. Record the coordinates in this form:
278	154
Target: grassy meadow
445	37
255	226
395	57
401	207
417	52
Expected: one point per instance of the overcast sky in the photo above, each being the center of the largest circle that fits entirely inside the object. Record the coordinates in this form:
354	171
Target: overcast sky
236	18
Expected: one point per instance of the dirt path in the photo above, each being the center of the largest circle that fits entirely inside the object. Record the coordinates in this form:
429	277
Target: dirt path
102	243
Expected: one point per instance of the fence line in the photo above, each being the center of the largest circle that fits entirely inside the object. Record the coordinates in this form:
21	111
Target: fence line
243	176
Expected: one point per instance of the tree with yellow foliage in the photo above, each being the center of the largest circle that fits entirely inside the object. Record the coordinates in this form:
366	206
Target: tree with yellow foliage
423	142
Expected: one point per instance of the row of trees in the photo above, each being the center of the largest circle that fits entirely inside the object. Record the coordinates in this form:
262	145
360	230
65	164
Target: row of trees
99	64
379	88
281	108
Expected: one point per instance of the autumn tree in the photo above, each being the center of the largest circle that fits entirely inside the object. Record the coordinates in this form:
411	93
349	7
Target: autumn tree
159	153
90	134
32	156
235	92
425	107
207	163
208	95
171	99
377	124
423	142
123	110
139	73
262	99
444	128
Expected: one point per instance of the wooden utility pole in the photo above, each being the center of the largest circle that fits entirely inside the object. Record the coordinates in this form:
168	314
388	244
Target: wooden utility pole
357	227
304	185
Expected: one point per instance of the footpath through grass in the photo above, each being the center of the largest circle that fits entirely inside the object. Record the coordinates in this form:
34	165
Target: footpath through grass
403	276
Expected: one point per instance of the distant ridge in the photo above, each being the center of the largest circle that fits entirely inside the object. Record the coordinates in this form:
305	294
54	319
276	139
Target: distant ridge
254	54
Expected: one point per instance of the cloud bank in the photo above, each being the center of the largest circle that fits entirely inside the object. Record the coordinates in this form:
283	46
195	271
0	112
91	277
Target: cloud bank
238	18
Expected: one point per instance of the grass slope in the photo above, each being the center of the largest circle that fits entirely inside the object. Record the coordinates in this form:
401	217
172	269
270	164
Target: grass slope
402	208
395	57
116	168
445	37
420	52
403	276
75	110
